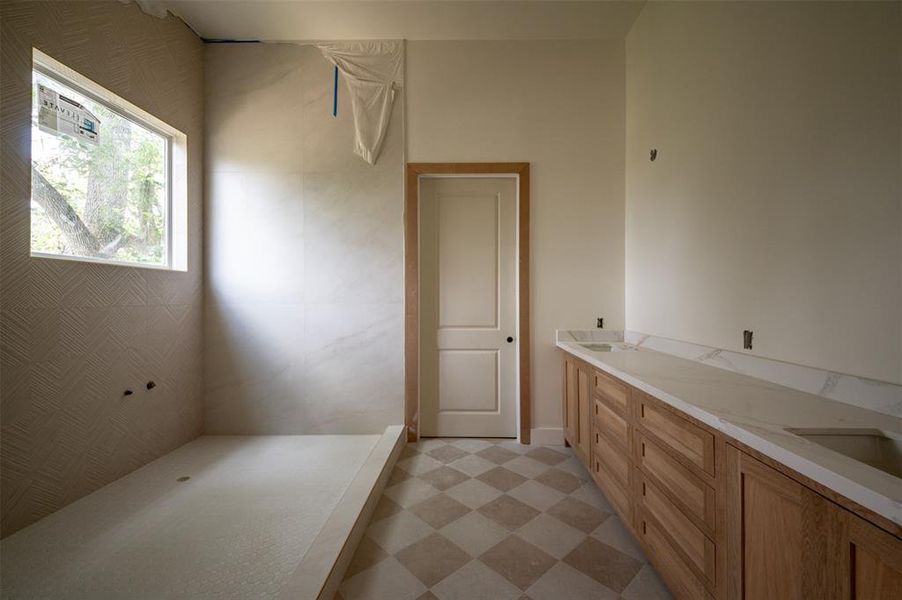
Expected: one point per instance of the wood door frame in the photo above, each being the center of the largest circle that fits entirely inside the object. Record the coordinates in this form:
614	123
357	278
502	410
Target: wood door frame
412	284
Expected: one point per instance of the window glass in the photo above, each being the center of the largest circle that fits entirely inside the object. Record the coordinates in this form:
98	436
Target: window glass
99	179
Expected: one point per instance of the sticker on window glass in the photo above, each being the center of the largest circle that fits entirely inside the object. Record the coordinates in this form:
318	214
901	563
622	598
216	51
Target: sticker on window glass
59	114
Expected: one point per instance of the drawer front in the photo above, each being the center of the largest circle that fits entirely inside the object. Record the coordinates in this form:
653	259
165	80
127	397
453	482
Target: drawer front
688	440
612	489
676	574
696	548
614	459
615	392
687	489
610	424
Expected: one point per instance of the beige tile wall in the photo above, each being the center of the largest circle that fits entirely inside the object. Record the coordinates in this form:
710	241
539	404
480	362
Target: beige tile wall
75	335
303	288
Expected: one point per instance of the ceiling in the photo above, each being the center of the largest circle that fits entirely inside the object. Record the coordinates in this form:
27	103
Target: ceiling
300	20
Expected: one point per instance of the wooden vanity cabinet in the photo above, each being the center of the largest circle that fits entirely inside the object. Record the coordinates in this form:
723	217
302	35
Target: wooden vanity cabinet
577	418
716	518
787	541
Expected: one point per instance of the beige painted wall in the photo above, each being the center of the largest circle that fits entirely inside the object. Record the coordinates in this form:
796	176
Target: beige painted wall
303	287
560	106
75	335
774	203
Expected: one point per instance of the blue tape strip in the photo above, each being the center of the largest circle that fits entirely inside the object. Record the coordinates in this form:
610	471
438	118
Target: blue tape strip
335	94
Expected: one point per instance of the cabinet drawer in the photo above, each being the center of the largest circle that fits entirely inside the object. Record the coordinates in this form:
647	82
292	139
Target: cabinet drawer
697	549
614	492
615	392
610	424
686	489
679	577
688	440
614	459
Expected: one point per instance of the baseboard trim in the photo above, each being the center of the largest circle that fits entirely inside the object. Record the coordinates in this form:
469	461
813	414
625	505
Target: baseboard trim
547	436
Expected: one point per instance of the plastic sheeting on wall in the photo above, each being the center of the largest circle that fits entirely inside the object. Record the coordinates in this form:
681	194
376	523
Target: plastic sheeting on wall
372	70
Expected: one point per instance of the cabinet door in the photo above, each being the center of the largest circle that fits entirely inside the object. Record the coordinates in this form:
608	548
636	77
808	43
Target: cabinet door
571	401
585	416
870	559
776	541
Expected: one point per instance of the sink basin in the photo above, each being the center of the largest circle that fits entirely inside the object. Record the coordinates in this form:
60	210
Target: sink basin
601	347
871	446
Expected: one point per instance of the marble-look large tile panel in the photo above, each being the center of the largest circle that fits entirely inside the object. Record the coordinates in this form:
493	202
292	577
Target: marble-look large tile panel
304	241
353	366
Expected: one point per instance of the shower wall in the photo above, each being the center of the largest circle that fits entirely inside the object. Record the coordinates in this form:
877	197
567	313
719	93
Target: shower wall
74	335
303	283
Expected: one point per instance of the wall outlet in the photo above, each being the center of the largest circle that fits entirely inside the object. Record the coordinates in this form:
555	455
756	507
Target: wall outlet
747	339
599	322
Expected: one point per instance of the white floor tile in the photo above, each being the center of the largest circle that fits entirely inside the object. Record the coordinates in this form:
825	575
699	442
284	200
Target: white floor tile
410	492
563	582
527	467
387	579
473	465
551	535
615	534
539	496
475	581
398	531
474	533
473	493
646	585
471	444
419	464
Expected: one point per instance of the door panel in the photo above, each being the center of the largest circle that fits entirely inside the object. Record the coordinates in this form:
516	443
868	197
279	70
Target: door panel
468	237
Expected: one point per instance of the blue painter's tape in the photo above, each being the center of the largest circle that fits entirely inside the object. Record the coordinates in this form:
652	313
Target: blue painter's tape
335	94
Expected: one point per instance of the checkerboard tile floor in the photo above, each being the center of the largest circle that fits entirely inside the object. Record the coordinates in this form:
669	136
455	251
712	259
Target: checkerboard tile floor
471	519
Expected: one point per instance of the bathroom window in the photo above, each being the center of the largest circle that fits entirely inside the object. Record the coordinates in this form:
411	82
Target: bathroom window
107	178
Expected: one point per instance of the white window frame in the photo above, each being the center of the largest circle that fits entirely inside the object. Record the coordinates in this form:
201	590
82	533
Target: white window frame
175	164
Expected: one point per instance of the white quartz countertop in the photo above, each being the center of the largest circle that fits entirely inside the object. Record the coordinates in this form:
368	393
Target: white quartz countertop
758	413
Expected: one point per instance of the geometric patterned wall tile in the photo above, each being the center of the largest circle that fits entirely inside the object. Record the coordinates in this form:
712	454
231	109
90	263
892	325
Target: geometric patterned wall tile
74	335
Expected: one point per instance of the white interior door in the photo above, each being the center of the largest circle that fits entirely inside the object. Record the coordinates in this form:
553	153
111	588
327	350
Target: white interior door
468	249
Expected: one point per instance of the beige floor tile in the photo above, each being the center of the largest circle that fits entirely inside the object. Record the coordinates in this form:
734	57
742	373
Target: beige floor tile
646	585
497	454
508	512
559	480
515	446
615	534
419	464
398	531
578	514
604	564
428	596
432	559
368	553
444	477
473	493
475	581
590	494
527	467
551	535
546	455
539	496
411	491
397	476
386	508
518	561
447	453
471	444
429	444
575	467
439	510
502	479
472	465
563	582
474	533
388	579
